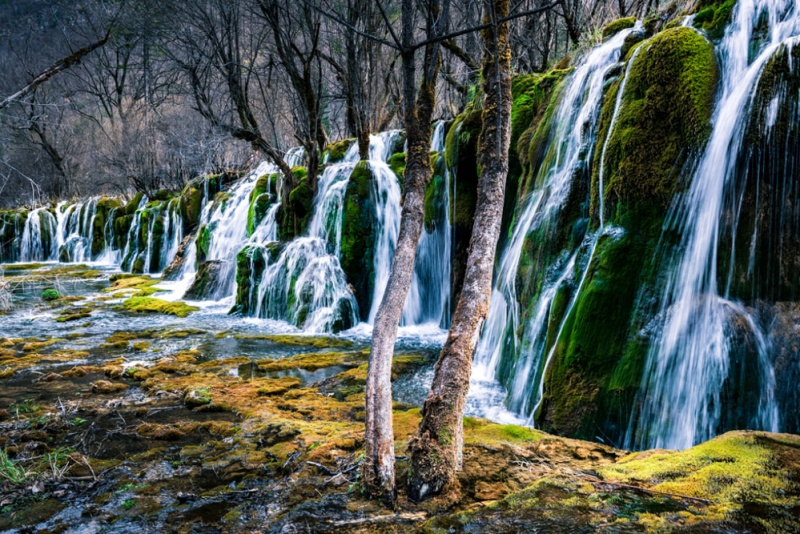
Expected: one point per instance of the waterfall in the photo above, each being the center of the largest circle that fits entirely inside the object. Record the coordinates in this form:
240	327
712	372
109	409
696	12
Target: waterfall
304	283
571	149
689	363
386	196
37	236
428	299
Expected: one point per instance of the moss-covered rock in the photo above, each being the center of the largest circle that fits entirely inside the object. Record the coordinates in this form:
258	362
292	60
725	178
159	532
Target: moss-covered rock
336	151
713	16
262	197
154	305
294	218
664	117
614	27
358	235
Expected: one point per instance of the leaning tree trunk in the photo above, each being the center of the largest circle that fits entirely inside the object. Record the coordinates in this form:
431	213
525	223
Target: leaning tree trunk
378	472
379	444
437	447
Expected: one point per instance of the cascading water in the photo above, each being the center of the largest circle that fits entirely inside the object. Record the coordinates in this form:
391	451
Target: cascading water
428	299
571	148
304	283
38	236
689	364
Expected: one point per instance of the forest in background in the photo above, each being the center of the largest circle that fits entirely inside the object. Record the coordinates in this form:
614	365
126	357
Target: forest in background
178	89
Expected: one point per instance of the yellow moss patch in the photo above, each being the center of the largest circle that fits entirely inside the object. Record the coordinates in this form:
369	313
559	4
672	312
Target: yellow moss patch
300	340
137	286
735	467
277	386
154	305
313	361
483	431
35	346
106	387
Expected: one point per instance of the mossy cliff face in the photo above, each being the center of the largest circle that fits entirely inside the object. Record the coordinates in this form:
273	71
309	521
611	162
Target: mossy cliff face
664	119
195	192
358	235
294	217
124	218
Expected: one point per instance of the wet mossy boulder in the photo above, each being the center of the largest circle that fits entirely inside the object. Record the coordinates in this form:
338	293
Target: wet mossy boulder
50	294
203	243
337	151
12	224
397	162
665	116
358	235
206	280
107	209
614	27
263	196
294	218
251	262
664	119
435	195
713	17
195	192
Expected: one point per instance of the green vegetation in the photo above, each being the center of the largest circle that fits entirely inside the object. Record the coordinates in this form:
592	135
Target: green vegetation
613	28
358	235
714	16
154	305
50	294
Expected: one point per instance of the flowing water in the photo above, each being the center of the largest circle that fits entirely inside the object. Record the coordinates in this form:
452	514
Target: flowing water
572	147
690	362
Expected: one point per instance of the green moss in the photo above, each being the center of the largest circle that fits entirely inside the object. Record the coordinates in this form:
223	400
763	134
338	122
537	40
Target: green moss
295	217
154	305
50	294
397	162
358	235
613	28
203	243
665	115
337	151
713	17
321	342
262	197
434	202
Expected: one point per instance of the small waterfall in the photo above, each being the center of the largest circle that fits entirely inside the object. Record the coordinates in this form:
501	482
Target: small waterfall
428	298
571	149
38	236
386	197
132	252
689	364
304	283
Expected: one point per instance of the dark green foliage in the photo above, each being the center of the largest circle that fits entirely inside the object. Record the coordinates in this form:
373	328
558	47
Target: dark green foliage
358	235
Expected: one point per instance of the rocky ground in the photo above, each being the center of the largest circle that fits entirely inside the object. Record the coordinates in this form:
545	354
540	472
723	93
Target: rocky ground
127	433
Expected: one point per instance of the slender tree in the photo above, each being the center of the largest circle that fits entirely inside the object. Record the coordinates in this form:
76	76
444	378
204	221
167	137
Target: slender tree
378	474
437	447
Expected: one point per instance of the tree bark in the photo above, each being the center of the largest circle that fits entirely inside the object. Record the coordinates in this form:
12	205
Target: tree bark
378	472
437	447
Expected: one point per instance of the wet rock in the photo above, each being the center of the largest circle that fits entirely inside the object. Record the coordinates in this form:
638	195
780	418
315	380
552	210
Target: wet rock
106	387
197	397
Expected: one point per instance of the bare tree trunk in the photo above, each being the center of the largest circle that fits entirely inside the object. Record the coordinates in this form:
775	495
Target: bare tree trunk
378	475
436	449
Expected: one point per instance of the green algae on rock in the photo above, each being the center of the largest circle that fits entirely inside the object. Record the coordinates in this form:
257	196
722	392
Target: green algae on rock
154	305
